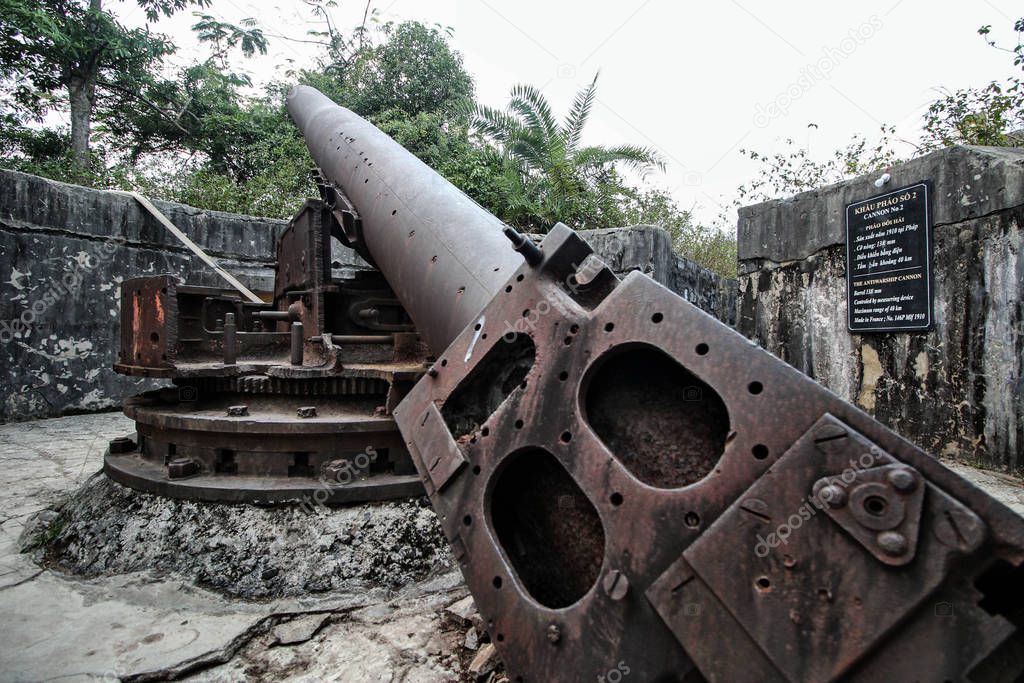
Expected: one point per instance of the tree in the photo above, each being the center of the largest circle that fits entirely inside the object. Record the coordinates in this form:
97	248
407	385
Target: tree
792	169
204	101
558	178
707	245
989	115
49	46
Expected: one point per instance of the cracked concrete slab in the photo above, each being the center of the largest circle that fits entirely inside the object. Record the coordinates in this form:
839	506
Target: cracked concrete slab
147	625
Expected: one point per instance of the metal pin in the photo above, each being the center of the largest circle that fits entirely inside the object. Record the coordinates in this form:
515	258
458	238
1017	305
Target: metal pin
296	348
229	339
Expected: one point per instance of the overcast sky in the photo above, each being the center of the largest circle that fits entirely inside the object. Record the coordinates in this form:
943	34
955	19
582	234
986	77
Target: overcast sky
697	81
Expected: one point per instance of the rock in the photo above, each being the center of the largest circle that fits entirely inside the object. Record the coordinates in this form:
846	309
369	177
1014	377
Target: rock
464	612
298	630
485	661
472	640
38	530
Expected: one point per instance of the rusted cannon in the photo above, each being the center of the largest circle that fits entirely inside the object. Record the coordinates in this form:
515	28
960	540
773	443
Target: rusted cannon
634	490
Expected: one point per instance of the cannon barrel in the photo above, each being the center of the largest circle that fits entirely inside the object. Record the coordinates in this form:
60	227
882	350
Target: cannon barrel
442	253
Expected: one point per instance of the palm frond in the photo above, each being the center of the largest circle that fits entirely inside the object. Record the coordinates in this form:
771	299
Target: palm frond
579	113
641	159
530	103
496	124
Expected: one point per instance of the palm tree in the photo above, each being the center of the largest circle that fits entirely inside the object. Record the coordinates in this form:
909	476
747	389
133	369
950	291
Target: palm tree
549	176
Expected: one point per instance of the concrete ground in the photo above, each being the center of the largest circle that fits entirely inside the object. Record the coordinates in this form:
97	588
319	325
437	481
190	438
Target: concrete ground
141	626
144	626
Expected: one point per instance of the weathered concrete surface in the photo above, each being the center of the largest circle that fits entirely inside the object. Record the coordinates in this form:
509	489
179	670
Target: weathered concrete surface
648	248
958	390
970	182
246	551
157	624
64	250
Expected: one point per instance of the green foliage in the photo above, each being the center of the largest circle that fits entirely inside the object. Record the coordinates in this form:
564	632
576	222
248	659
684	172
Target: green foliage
707	245
547	176
226	36
792	169
992	115
413	70
48	46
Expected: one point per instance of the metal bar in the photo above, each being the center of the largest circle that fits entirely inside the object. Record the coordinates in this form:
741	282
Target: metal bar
230	347
356	339
296	344
193	247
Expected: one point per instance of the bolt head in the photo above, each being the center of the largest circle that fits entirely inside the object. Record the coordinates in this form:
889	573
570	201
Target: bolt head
892	543
832	495
902	479
616	585
180	468
121	444
554	634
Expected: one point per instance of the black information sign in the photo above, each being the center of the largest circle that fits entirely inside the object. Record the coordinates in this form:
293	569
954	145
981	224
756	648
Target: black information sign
888	261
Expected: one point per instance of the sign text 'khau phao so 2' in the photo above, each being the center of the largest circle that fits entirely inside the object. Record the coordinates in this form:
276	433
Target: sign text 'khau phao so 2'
888	261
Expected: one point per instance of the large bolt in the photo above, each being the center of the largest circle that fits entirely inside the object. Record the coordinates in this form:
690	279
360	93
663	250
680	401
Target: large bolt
832	495
121	445
238	411
554	634
892	543
616	585
902	479
307	411
182	467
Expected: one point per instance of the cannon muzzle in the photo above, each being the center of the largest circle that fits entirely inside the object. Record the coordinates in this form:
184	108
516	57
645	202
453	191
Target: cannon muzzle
443	254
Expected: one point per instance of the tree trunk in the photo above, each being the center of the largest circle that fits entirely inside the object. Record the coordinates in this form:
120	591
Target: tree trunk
82	92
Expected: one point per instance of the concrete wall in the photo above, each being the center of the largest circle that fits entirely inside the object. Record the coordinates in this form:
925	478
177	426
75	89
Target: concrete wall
64	250
648	248
957	390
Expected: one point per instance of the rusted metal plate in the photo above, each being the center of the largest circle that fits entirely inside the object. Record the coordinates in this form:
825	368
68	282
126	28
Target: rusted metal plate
647	423
796	583
149	330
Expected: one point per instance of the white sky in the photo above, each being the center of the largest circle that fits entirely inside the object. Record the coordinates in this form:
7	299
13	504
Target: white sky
694	80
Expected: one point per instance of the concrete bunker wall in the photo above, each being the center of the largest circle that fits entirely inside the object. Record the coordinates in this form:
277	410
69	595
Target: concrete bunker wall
956	390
